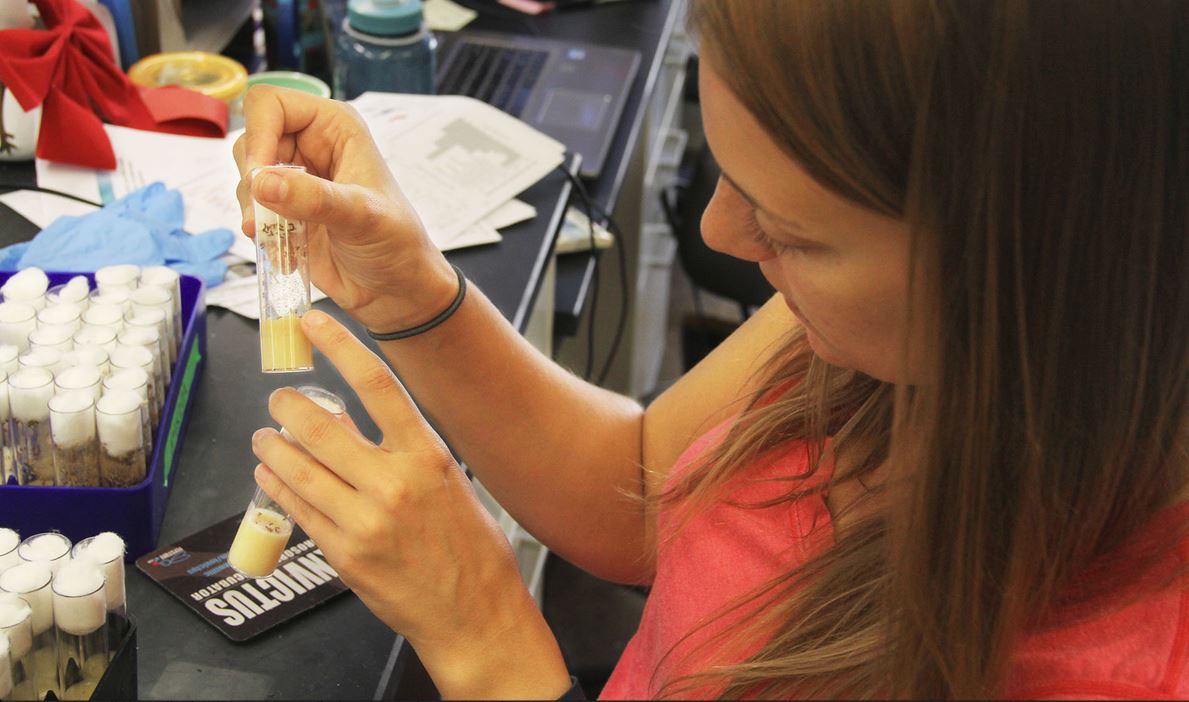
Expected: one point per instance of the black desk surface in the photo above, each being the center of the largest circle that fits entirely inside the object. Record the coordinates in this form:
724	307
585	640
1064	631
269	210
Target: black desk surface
644	25
338	651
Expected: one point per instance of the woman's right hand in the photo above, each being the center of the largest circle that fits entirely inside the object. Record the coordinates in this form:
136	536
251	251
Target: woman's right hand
368	249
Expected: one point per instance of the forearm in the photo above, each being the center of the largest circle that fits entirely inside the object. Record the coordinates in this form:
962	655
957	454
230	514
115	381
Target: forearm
562	455
514	656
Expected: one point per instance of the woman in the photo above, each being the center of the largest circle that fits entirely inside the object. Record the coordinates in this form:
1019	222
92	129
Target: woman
948	459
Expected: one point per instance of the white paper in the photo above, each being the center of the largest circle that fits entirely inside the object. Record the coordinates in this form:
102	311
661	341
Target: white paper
509	213
459	161
201	169
43	208
446	16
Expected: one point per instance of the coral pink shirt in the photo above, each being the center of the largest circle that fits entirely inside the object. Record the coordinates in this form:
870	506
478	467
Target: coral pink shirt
1137	651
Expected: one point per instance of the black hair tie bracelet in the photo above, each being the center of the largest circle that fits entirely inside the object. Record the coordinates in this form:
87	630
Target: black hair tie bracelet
422	328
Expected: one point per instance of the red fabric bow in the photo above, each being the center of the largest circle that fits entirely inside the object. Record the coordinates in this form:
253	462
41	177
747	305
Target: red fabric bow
67	68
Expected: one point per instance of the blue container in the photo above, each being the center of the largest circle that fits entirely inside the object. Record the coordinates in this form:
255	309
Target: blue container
383	46
135	513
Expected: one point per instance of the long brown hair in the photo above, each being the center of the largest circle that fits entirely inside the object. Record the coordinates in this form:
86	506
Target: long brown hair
1040	153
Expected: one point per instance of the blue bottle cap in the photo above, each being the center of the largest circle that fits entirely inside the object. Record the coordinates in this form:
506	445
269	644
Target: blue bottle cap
385	17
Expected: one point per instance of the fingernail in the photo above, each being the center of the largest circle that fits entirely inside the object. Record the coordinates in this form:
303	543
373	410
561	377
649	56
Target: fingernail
258	436
272	187
316	318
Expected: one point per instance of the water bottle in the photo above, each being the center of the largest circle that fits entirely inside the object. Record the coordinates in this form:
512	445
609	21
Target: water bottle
384	46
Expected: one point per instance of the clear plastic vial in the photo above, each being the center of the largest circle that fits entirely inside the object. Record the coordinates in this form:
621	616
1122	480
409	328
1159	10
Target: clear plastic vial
135	380
266	526
76	445
16	629
384	46
119	418
31	582
29	392
80	623
283	272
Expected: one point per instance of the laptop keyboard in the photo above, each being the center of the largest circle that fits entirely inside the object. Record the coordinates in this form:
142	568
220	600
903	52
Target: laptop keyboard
501	76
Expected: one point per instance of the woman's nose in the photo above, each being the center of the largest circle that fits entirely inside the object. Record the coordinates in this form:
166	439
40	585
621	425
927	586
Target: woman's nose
725	226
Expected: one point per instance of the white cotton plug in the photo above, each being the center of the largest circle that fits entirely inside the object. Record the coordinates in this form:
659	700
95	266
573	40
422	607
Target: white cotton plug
72	418
12	312
80	601
9	540
122	275
8	358
30	580
14	611
107	551
29	282
29	391
104	315
119	420
46	547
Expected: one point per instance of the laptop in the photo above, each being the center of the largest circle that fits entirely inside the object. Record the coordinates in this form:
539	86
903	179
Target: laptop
574	92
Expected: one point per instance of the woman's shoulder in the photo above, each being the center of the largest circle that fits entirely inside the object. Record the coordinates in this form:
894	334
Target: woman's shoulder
1133	645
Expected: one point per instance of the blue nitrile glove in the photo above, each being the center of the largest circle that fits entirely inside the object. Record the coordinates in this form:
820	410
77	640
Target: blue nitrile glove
211	272
101	238
143	228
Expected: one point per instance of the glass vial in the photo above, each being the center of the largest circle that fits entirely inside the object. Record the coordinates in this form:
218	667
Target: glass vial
104	316
7	463
122	276
64	314
86	379
107	551
17	319
80	621
148	339
136	380
30	390
76	445
170	281
283	272
118	416
28	286
153	298
16	629
76	291
9	540
132	357
153	319
266	526
49	547
31	582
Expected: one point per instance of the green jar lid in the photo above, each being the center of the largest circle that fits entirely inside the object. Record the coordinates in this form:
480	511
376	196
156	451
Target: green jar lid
291	79
386	18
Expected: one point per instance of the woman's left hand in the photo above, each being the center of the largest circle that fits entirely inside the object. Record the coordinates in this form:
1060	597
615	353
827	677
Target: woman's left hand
403	528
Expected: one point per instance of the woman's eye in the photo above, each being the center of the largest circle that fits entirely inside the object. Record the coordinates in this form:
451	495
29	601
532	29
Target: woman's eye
776	246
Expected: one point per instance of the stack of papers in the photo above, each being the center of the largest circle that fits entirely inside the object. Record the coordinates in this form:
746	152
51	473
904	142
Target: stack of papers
460	162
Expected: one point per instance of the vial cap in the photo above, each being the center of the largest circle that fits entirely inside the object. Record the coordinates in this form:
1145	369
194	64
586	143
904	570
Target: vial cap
386	18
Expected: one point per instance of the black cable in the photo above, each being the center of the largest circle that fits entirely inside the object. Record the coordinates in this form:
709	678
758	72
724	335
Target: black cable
11	187
584	196
621	323
621	254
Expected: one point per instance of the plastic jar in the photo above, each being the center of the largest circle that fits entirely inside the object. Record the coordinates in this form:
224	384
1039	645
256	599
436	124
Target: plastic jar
210	74
384	46
291	79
